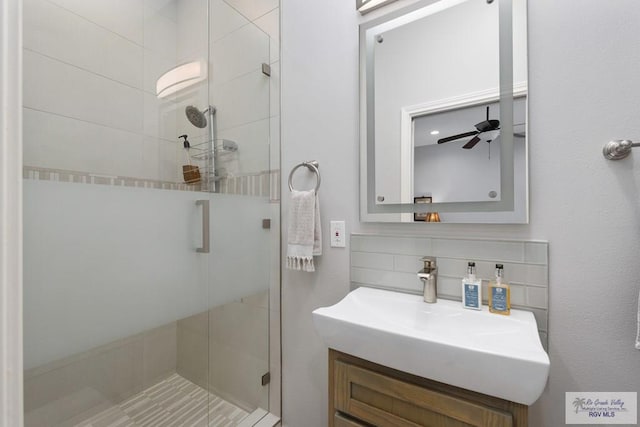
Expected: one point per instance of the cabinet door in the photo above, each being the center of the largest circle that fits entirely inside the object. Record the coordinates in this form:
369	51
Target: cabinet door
384	401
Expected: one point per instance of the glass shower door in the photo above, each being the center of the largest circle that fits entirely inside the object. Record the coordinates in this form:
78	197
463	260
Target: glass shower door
113	222
243	210
150	213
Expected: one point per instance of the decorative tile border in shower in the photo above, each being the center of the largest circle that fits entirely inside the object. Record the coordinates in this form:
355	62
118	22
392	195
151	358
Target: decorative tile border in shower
392	261
260	184
264	183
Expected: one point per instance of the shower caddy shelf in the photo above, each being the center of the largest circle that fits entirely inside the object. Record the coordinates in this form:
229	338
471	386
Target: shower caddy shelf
203	150
202	153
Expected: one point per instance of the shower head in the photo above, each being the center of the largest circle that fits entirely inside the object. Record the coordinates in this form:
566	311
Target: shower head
196	117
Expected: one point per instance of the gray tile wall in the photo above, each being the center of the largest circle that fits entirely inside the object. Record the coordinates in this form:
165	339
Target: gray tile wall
235	337
89	382
391	262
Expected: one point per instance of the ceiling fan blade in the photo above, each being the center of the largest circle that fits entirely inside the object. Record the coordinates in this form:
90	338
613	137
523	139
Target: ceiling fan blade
454	137
471	143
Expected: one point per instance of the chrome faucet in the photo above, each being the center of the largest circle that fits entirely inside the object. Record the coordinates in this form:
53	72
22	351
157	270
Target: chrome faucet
428	276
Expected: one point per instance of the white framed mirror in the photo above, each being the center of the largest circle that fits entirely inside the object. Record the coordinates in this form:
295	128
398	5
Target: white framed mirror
428	74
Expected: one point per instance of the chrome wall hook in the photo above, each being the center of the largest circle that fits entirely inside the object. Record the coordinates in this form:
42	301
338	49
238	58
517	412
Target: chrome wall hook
618	149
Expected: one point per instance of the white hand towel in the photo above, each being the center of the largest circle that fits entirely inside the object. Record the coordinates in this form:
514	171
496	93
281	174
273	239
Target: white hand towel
304	240
638	326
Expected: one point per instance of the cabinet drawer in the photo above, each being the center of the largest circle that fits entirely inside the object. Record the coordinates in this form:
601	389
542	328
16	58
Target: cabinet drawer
384	401
340	421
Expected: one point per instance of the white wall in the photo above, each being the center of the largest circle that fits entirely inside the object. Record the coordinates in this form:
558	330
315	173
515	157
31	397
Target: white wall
584	90
450	174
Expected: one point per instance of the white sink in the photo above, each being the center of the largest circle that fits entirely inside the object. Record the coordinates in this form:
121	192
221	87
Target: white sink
477	350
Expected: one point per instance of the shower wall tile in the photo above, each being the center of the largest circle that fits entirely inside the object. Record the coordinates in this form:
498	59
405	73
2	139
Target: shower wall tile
239	355
252	9
160	36
250	333
126	155
193	349
93	380
160	118
166	8
193	30
92	68
170	160
159	353
150	159
242	355
242	100
58	142
235	377
224	19
254	156
270	23
155	65
239	53
118	372
58	33
123	17
59	88
90	74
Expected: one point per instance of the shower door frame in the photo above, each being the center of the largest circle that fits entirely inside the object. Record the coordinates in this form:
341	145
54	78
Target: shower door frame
11	401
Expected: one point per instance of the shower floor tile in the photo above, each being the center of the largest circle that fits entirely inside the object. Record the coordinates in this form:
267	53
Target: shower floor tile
174	401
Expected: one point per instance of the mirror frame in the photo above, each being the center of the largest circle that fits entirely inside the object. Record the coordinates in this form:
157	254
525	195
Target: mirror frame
370	211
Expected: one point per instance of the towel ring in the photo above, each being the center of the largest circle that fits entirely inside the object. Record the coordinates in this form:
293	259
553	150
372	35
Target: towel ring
312	166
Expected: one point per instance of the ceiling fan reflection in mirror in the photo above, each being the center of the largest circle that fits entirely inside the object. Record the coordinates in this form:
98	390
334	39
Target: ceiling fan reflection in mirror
483	127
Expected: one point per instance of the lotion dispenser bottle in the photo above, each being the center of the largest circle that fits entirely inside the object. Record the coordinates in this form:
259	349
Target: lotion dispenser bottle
471	289
499	294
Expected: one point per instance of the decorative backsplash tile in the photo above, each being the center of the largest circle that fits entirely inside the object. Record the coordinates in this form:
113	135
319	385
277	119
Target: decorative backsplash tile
260	184
392	261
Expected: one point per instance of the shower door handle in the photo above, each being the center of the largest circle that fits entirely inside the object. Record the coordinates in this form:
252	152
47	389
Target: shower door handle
205	226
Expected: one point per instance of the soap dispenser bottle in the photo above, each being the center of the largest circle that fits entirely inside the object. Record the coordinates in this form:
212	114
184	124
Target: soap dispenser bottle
499	294
471	289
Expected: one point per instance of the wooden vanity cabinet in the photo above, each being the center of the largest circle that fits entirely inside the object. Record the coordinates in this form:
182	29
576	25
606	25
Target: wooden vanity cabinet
362	393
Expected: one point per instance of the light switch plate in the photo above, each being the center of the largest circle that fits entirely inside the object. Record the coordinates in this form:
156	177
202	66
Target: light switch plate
337	234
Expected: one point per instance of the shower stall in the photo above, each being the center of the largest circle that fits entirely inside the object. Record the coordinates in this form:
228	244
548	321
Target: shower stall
151	213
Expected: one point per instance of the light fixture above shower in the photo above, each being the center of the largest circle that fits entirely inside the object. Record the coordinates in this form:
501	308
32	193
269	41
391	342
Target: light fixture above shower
365	6
181	77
